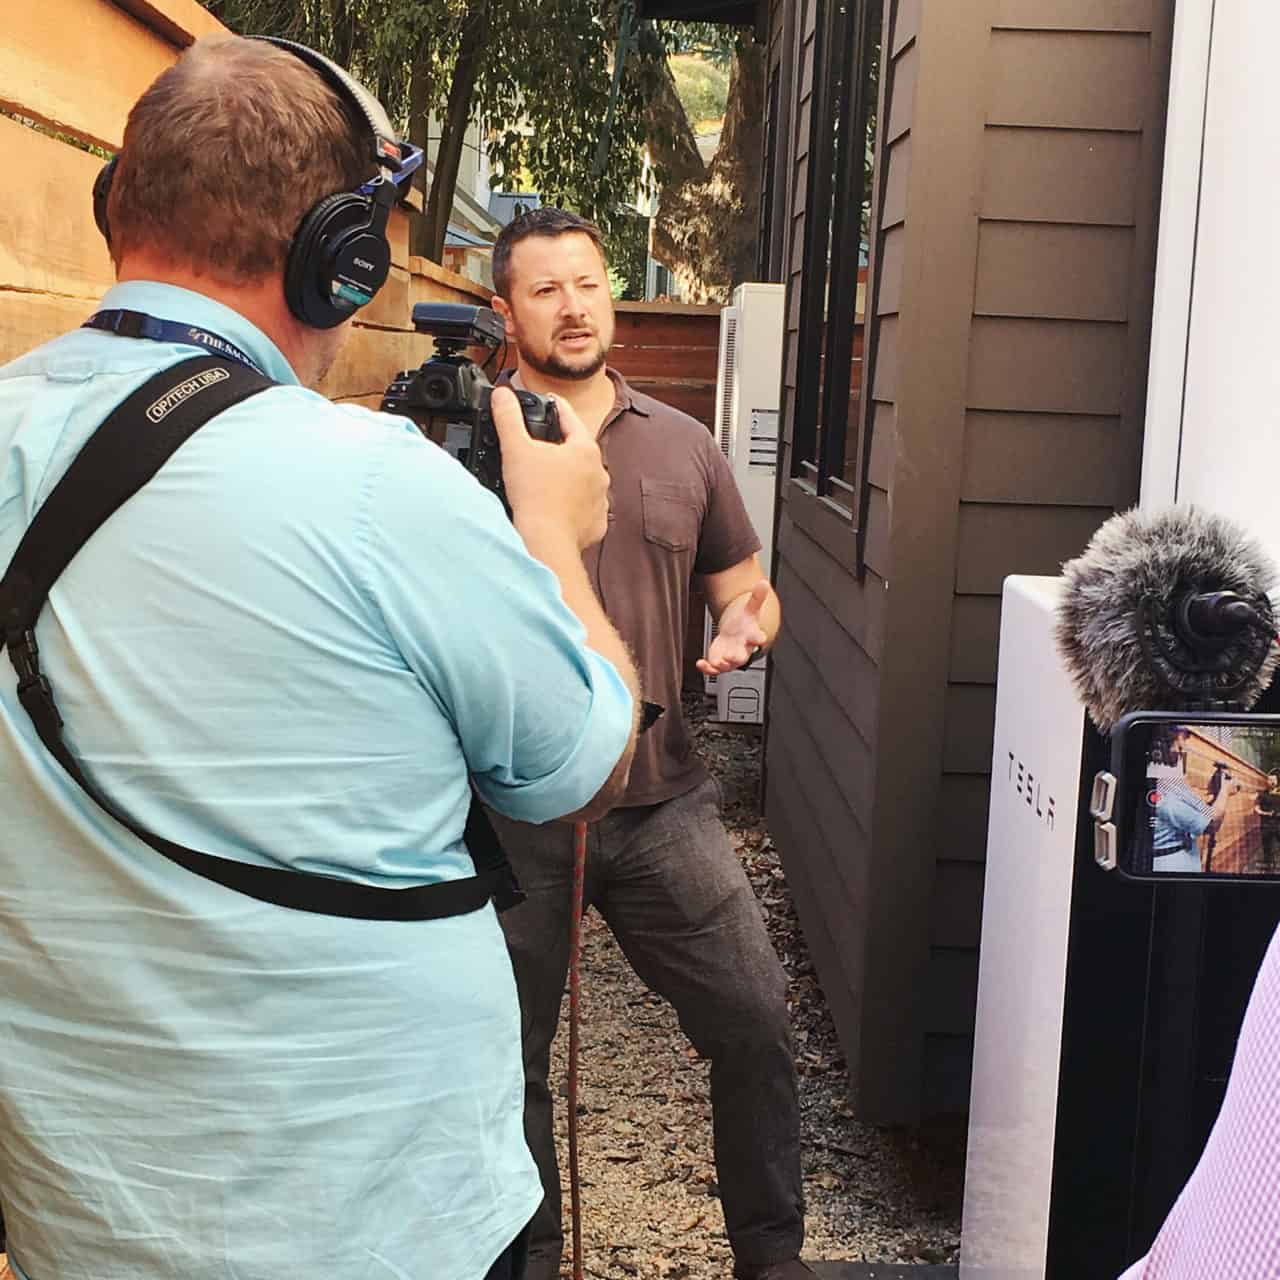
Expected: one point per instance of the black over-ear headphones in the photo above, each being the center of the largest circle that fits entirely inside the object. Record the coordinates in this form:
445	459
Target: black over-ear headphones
340	256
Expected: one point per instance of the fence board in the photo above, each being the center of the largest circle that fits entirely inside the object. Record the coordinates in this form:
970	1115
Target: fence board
655	330
28	319
682	363
697	402
369	360
78	66
181	22
48	240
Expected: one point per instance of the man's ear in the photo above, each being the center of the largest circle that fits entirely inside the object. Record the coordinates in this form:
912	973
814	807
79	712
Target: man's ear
503	308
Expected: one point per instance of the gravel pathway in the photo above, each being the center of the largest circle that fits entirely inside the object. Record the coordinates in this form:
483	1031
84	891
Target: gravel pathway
651	1206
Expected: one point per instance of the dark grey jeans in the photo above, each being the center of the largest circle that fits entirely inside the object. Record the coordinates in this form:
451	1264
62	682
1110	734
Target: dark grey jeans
670	886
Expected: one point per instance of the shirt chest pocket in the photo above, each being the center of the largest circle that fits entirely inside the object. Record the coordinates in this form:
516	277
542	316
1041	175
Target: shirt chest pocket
672	513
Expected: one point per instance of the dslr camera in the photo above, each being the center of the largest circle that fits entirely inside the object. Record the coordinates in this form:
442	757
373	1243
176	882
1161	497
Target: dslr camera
449	395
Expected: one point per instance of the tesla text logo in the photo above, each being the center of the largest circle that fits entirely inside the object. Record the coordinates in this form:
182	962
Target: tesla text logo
1030	790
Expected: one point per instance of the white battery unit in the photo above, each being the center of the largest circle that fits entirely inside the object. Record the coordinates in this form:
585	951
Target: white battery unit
748	390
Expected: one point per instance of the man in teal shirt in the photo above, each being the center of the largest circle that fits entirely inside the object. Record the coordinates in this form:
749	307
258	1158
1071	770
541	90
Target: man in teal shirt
298	645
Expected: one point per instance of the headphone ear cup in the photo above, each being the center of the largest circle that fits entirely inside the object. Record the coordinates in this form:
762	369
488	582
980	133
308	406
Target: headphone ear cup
307	279
101	192
337	261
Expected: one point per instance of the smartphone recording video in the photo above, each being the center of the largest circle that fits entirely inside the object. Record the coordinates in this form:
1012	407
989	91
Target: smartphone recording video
1200	795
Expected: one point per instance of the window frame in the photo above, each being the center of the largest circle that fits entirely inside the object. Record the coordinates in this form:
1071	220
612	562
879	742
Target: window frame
844	41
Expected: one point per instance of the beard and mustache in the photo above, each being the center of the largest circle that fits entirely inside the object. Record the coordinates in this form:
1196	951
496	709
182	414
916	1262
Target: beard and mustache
550	365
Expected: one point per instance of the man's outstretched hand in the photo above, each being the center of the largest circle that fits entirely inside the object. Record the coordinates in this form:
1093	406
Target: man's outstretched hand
740	633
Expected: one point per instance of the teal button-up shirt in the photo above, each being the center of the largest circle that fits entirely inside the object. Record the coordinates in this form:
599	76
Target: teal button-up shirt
292	646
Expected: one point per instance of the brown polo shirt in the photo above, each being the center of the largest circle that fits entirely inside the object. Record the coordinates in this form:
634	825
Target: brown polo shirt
674	511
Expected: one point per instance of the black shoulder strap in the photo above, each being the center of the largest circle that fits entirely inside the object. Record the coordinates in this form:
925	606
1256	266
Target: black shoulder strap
119	458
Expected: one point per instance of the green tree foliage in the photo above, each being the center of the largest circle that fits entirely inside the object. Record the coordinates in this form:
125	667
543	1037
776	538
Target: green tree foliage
537	73
713	41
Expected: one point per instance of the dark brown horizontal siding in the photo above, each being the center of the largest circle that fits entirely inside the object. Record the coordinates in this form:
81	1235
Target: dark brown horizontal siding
1063	459
1004	405
884	378
951	995
893	204
1069	79
1052	271
827	523
802	144
889	293
906	24
799	690
968	728
1075	15
832	942
964	800
858	606
948	1065
1061	175
996	540
824	856
1048	366
906	69
848	673
956	916
844	839
883	444
975	636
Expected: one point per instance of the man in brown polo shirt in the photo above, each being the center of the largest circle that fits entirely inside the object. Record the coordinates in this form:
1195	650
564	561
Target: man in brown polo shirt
660	867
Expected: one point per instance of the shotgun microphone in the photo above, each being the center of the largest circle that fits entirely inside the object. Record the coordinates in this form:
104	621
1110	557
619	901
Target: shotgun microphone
1168	610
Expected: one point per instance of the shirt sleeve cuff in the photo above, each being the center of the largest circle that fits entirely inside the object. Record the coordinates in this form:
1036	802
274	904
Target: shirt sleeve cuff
587	767
734	556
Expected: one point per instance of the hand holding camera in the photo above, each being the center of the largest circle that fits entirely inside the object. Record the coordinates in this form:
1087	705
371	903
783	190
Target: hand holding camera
552	486
449	396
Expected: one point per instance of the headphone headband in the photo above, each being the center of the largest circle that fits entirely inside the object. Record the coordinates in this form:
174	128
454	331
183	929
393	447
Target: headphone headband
339	257
387	148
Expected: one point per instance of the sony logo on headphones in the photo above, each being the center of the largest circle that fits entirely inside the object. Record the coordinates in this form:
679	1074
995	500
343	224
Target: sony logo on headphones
360	262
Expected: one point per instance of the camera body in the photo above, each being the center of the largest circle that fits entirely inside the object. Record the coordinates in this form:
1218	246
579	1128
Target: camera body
449	396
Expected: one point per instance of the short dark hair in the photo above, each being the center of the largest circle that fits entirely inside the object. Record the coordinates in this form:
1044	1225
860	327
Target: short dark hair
546	221
238	138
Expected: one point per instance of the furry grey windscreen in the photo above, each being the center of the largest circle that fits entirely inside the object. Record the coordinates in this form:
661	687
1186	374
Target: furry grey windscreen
1149	556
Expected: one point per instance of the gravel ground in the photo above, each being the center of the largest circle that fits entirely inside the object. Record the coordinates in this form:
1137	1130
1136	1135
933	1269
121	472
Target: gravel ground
650	1201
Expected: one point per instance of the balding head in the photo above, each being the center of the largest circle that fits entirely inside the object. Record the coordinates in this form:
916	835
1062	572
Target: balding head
223	156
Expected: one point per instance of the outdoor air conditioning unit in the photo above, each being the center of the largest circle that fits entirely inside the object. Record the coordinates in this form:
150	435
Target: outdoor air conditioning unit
748	385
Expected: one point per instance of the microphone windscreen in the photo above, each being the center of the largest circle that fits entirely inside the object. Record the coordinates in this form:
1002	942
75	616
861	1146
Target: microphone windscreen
1151	561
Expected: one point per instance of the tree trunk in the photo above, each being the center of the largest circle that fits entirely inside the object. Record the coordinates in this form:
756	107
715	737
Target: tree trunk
475	32
343	24
706	228
672	146
419	132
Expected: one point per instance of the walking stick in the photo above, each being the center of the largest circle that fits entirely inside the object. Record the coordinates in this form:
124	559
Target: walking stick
575	955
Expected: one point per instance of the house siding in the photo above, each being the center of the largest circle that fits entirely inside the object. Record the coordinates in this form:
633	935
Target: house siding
1017	181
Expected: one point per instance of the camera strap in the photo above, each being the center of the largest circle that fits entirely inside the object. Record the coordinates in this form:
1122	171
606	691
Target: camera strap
125	452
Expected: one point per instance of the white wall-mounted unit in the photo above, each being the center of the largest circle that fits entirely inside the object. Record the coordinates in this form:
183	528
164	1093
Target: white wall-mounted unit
748	387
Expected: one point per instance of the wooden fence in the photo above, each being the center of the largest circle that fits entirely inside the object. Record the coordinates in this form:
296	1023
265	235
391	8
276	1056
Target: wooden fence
69	72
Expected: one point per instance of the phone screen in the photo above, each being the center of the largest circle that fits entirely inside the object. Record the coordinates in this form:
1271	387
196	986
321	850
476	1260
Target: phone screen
1203	797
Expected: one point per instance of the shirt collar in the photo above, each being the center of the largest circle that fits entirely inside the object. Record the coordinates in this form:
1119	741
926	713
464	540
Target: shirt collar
624	399
185	306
